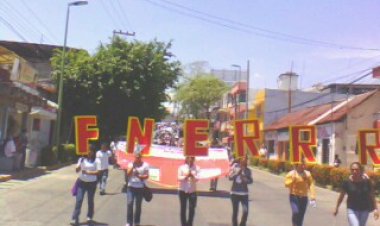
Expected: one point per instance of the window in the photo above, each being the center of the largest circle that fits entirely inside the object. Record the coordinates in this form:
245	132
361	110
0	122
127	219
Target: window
36	124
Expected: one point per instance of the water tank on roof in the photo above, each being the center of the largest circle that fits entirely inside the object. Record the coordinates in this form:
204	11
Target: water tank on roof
288	80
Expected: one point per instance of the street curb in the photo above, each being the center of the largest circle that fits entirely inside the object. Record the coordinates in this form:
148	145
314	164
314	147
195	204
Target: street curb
55	166
7	177
4	178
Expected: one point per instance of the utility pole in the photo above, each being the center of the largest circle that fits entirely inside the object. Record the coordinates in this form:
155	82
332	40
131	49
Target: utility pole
120	32
290	89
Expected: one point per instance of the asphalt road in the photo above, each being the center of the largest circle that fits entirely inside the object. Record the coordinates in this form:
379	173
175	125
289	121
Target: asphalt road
46	201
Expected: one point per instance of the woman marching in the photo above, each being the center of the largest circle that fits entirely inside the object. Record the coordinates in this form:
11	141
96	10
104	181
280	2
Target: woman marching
88	168
360	197
137	173
300	184
188	176
241	176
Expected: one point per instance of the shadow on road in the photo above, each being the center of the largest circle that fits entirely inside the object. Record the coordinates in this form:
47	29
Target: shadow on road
218	194
93	223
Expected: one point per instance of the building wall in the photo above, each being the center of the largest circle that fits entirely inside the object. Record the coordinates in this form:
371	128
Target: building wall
276	102
361	117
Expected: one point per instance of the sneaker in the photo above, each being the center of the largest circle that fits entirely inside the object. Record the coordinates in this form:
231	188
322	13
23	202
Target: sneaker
89	219
102	193
74	222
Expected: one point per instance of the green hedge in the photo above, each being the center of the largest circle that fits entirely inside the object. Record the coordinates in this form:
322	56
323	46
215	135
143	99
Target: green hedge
50	155
323	175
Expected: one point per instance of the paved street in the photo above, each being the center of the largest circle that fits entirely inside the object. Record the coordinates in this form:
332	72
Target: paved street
46	200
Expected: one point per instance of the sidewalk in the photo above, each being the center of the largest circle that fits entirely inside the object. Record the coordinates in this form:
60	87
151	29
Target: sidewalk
29	173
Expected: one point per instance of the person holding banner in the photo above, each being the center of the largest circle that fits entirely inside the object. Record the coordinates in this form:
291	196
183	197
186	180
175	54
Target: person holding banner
188	177
241	176
360	197
138	173
88	168
300	184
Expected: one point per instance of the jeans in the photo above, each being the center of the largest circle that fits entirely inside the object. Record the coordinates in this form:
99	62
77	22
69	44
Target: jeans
183	198
298	205
357	217
84	187
235	209
102	180
134	195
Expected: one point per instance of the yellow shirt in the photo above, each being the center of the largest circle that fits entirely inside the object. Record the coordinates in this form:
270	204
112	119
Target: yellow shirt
300	185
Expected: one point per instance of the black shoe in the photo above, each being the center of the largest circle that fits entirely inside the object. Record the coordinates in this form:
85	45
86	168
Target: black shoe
102	193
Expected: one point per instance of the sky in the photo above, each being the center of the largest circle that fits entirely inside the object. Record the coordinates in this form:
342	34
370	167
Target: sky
323	41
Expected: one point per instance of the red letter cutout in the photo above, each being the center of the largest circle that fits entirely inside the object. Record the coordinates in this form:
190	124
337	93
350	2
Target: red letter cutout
369	140
302	139
241	137
136	134
83	134
195	131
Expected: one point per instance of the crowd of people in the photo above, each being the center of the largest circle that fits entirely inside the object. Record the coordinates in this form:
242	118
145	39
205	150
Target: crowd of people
93	170
14	148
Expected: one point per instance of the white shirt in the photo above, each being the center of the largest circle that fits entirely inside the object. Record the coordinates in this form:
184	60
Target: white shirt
10	148
103	159
134	180
188	184
90	166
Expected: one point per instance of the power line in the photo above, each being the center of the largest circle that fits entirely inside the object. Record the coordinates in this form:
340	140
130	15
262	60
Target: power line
110	15
117	14
318	97
25	23
234	25
6	23
121	7
39	20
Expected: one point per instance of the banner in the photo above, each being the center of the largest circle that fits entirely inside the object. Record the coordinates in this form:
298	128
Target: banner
136	134
83	132
195	132
302	140
369	142
242	137
164	162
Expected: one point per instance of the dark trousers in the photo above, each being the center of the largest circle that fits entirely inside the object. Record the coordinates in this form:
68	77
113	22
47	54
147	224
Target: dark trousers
22	165
134	195
183	199
236	199
298	205
84	187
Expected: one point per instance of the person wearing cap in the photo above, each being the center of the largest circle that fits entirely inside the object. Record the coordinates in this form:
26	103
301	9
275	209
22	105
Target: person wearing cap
188	177
301	185
137	172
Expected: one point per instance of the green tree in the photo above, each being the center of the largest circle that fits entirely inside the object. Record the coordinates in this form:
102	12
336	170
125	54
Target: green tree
121	79
197	94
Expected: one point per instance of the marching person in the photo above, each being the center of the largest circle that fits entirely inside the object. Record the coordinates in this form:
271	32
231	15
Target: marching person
138	173
241	176
188	177
360	196
300	184
103	156
87	168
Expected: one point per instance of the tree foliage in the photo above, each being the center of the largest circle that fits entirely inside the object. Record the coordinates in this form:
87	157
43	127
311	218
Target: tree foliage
121	79
198	94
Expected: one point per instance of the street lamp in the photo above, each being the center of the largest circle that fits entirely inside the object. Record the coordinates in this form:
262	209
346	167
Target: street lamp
238	66
60	87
